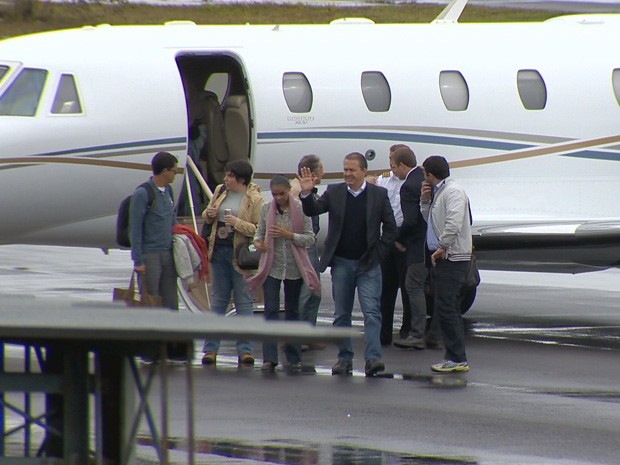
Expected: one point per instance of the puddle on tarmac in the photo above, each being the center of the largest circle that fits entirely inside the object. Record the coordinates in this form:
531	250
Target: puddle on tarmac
298	453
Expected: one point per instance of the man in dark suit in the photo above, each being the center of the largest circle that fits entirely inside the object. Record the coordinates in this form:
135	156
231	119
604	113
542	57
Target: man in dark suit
361	230
411	236
394	264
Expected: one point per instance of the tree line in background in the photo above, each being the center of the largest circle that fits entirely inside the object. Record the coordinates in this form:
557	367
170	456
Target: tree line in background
27	16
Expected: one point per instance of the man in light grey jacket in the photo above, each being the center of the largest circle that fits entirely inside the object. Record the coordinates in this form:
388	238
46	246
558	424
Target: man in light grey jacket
445	207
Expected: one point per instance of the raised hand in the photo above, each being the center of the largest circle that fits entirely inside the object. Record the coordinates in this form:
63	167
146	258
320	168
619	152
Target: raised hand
307	180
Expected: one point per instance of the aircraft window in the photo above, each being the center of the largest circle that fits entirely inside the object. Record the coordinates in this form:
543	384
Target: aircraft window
67	100
532	89
615	79
3	70
297	92
454	90
376	91
218	83
23	95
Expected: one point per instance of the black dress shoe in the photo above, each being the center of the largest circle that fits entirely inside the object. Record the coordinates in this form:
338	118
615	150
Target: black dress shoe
374	366
268	366
295	367
342	367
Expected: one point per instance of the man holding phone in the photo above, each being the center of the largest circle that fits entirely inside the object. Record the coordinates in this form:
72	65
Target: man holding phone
445	207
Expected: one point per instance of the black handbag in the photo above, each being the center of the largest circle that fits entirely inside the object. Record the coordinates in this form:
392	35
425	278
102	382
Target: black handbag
205	232
472	278
248	255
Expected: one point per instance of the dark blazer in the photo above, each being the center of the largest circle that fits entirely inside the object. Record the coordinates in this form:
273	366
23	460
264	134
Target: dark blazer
380	222
412	233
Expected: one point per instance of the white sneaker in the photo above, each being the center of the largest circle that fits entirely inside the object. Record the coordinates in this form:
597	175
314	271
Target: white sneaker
448	366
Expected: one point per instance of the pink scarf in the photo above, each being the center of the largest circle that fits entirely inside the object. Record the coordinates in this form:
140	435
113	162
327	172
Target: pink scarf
300	254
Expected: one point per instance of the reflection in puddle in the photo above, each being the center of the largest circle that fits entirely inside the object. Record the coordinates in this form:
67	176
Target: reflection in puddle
604	337
443	381
601	396
298	453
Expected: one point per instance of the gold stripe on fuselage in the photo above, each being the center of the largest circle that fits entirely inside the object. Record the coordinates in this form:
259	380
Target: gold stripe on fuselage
554	149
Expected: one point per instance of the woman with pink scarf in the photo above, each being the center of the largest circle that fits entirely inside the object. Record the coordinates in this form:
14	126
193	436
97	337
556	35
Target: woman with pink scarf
283	235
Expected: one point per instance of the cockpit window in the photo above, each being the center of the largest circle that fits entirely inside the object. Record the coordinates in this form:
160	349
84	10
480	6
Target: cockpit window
3	70
66	100
23	95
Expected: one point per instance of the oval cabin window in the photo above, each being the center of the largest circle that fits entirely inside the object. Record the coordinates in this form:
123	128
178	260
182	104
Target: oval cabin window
376	91
615	81
532	89
454	90
297	92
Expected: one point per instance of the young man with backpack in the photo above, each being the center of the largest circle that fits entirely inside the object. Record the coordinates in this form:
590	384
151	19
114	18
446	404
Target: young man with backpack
151	217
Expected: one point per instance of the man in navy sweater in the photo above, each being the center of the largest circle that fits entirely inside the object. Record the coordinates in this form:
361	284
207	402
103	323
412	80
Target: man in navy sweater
151	231
361	230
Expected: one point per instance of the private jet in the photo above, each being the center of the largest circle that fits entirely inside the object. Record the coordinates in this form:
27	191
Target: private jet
527	114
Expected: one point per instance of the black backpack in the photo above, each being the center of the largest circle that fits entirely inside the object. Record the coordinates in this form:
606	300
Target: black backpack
122	219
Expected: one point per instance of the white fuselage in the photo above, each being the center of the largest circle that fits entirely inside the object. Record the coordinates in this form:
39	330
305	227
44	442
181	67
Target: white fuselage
63	176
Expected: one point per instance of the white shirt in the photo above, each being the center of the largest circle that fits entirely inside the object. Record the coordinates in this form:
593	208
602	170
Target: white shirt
432	241
393	184
359	191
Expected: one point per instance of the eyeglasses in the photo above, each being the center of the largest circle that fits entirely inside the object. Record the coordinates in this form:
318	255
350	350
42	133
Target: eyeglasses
174	170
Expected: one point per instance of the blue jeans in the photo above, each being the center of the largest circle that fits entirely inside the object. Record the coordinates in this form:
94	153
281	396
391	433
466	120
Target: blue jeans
447	280
161	277
225	280
345	279
309	302
271	291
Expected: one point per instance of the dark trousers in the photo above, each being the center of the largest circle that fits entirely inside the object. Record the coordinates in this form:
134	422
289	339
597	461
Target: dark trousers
394	271
271	291
161	277
447	280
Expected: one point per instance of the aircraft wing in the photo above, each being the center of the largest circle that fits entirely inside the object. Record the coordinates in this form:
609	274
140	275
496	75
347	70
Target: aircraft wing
560	247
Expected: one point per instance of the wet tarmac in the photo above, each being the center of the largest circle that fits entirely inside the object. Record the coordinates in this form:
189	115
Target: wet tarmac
543	388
